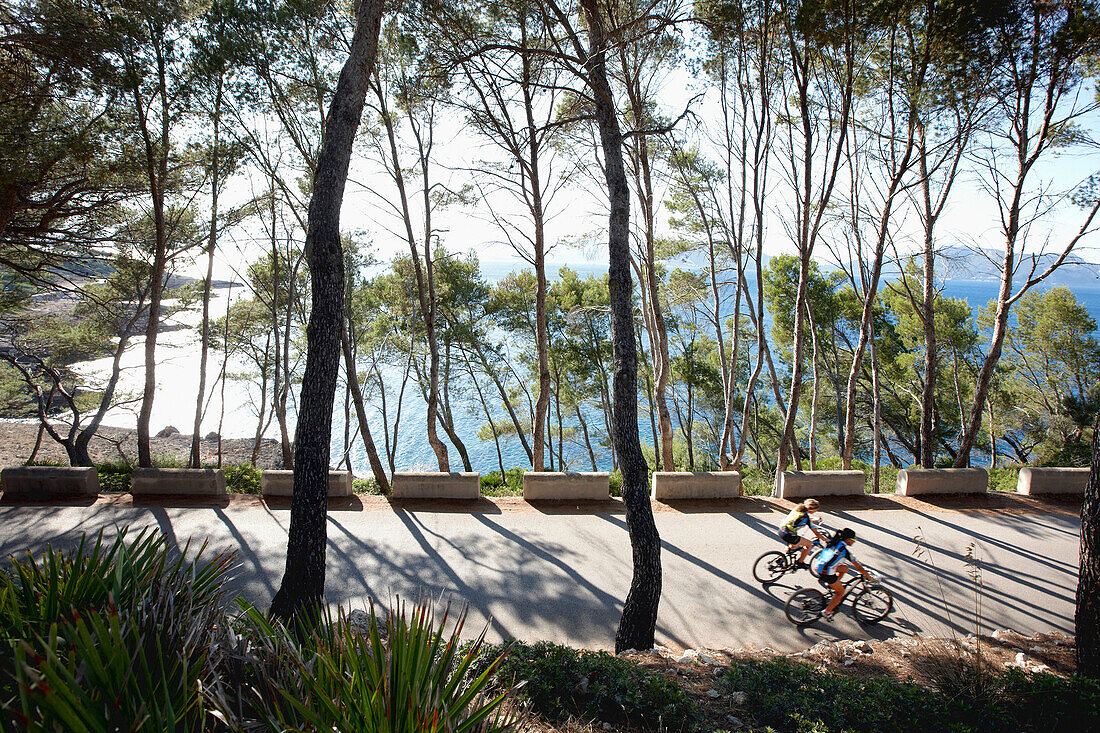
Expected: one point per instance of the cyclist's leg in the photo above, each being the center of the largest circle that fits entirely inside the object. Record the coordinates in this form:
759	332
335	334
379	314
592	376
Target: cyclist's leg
806	546
837	587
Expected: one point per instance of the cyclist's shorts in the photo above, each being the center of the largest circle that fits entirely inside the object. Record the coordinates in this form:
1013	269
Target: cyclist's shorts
789	537
828	579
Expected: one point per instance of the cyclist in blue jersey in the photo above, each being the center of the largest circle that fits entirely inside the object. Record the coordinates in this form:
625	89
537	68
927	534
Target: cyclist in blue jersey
832	564
790	530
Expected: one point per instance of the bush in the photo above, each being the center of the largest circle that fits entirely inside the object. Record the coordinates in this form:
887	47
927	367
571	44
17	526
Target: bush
616	483
243	478
756	481
797	698
510	484
560	682
114	477
1051	704
1004	479
793	698
1076	454
171	462
366	486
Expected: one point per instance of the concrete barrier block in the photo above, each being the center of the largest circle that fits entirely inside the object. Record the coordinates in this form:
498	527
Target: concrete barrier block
812	484
552	485
281	483
31	481
915	481
436	485
177	482
1052	480
673	485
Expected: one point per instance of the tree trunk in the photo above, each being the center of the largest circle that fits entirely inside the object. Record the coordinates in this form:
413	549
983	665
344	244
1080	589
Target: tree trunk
587	440
639	619
928	317
425	285
506	400
302	590
1087	618
204	349
542	338
156	161
361	413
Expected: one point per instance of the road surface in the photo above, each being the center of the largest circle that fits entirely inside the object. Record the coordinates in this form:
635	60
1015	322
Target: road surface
560	575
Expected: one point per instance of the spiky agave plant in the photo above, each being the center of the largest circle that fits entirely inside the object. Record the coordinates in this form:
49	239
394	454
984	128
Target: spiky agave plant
109	636
402	674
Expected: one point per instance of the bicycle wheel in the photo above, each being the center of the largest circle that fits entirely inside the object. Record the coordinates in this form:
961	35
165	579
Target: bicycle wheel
805	606
872	604
770	567
810	561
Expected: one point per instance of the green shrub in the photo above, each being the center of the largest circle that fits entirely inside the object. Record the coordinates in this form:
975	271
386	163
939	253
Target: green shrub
510	484
793	698
114	477
756	481
1051	704
797	698
366	486
1077	454
171	462
616	481
343	677
1004	479
560	682
243	478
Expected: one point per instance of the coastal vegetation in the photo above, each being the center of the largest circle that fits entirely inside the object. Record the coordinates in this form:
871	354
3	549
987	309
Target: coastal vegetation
130	632
770	183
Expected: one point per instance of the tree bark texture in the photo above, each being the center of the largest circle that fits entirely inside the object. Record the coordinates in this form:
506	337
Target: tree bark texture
302	589
639	619
1087	619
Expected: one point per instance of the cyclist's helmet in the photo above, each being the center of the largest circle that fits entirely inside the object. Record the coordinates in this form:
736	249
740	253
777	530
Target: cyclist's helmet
844	535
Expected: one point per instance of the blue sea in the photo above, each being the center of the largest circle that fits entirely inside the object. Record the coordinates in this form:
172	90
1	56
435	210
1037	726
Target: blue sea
413	451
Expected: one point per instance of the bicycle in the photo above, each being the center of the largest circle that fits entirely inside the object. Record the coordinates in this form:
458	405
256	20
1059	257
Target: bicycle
871	602
773	565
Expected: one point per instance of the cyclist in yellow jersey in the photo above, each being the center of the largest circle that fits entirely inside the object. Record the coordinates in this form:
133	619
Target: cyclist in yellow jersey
796	520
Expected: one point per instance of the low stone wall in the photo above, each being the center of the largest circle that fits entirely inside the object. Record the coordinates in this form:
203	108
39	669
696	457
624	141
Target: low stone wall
31	481
552	485
915	481
281	483
1052	480
436	485
177	482
673	485
812	484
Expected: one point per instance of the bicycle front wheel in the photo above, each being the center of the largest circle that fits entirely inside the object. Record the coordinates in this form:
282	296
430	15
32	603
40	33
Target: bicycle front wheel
810	560
770	567
872	604
805	606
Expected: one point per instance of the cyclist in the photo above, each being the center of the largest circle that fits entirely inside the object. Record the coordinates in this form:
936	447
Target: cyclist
796	520
832	564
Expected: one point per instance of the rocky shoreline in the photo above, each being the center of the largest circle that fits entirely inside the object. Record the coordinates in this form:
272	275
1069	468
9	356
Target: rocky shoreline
118	445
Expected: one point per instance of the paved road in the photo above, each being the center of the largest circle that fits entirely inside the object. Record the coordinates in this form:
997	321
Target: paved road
562	576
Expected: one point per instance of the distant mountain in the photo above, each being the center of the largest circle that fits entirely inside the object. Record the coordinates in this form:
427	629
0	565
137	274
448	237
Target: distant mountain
965	263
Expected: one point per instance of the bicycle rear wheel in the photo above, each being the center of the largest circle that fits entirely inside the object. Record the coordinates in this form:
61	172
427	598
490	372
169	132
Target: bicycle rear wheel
805	606
770	567
872	604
